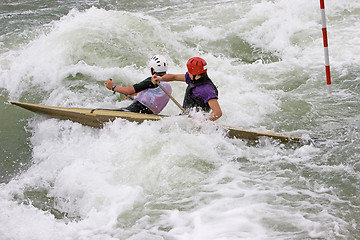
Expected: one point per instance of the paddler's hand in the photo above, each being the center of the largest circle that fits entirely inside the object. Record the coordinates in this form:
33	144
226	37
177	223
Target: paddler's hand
155	79
109	84
130	96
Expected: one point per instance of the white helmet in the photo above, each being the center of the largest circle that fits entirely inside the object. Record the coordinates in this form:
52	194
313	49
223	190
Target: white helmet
158	63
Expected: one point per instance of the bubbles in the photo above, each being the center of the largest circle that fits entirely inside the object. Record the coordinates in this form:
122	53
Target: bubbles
180	178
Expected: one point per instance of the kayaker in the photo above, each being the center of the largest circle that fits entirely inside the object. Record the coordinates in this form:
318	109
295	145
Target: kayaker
201	92
150	98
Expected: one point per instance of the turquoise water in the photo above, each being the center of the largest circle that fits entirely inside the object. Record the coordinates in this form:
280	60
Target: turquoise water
168	179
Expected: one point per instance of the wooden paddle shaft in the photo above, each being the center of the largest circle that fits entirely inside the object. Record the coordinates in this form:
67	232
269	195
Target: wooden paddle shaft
173	99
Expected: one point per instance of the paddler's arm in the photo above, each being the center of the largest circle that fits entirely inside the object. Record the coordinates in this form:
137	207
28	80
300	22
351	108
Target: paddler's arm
168	78
109	84
216	112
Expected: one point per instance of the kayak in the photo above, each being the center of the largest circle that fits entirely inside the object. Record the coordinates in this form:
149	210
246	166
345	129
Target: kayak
87	116
98	117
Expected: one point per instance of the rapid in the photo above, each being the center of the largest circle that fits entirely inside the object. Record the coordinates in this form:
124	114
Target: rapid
171	179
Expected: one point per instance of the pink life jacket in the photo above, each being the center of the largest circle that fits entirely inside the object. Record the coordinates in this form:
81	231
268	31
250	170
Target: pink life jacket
155	98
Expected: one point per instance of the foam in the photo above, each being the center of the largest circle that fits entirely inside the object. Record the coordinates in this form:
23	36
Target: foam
173	178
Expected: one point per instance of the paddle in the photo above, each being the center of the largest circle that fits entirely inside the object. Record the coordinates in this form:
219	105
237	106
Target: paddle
173	99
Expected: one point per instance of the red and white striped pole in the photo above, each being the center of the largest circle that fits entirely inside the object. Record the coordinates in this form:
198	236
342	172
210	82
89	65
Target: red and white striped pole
326	50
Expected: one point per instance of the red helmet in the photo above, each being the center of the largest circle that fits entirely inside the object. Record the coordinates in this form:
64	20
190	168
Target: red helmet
196	66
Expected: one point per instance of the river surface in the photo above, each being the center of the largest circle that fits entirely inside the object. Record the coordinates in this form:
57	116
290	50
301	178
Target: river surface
172	179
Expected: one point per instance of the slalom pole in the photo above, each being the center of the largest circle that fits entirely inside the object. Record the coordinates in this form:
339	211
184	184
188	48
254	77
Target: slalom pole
326	49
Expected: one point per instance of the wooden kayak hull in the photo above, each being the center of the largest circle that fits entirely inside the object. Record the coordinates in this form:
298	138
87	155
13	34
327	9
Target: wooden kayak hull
98	117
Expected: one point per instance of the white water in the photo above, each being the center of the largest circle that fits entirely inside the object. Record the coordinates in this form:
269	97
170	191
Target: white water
168	179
